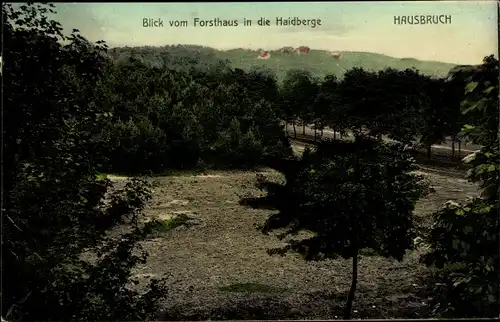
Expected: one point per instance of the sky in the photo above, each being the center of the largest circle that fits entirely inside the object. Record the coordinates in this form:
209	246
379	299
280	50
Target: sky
346	26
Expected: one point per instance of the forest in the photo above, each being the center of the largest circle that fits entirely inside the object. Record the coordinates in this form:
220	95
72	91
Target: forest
76	113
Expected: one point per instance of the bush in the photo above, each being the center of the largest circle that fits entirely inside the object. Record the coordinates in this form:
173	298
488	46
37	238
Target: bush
59	262
463	243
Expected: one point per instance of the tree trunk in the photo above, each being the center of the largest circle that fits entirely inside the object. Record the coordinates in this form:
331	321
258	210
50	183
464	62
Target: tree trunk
350	297
304	129
286	127
321	132
459	148
315	124
429	151
334	135
453	146
294	130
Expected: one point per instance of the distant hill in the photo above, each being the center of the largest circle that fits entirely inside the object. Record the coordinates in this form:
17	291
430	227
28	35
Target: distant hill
319	62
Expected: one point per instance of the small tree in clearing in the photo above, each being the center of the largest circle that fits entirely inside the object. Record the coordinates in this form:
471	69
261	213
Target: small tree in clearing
351	195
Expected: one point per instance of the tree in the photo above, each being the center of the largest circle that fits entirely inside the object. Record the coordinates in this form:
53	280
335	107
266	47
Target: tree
463	242
299	91
400	101
165	118
350	196
454	94
435	119
355	91
59	262
327	108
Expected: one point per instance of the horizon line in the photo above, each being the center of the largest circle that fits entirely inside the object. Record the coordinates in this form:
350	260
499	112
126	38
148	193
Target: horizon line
279	47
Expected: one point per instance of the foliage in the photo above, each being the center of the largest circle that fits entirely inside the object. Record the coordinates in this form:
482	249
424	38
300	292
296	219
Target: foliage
76	110
319	62
436	120
464	242
401	103
181	107
327	108
391	102
298	91
59	262
176	119
350	196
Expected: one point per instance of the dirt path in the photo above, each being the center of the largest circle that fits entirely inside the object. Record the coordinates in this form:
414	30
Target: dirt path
466	147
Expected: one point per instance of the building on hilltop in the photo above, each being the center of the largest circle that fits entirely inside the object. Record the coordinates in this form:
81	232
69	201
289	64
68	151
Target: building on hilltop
286	50
336	55
264	55
302	50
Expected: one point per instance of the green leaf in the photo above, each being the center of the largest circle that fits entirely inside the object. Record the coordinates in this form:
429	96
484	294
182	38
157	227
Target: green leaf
471	107
488	90
468	127
470	87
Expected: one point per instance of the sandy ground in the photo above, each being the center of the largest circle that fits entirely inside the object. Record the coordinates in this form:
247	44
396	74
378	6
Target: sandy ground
223	249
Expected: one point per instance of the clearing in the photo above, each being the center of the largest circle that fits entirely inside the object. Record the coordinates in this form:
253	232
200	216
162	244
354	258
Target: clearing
218	268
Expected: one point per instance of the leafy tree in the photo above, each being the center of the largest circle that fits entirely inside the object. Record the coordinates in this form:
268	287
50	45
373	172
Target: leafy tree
454	94
166	118
327	108
434	115
402	98
389	102
354	90
350	196
174	57
59	262
299	91
463	243
263	84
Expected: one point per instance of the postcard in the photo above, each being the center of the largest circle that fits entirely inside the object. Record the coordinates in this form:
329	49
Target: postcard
250	160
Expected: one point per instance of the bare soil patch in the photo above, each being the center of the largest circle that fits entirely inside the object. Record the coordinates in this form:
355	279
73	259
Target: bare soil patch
219	268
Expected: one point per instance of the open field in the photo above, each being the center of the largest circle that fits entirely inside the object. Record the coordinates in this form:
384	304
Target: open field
218	267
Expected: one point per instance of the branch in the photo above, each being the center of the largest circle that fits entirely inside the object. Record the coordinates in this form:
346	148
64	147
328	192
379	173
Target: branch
16	304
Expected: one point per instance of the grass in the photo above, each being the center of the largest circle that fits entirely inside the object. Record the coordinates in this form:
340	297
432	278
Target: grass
101	176
172	223
222	260
249	287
